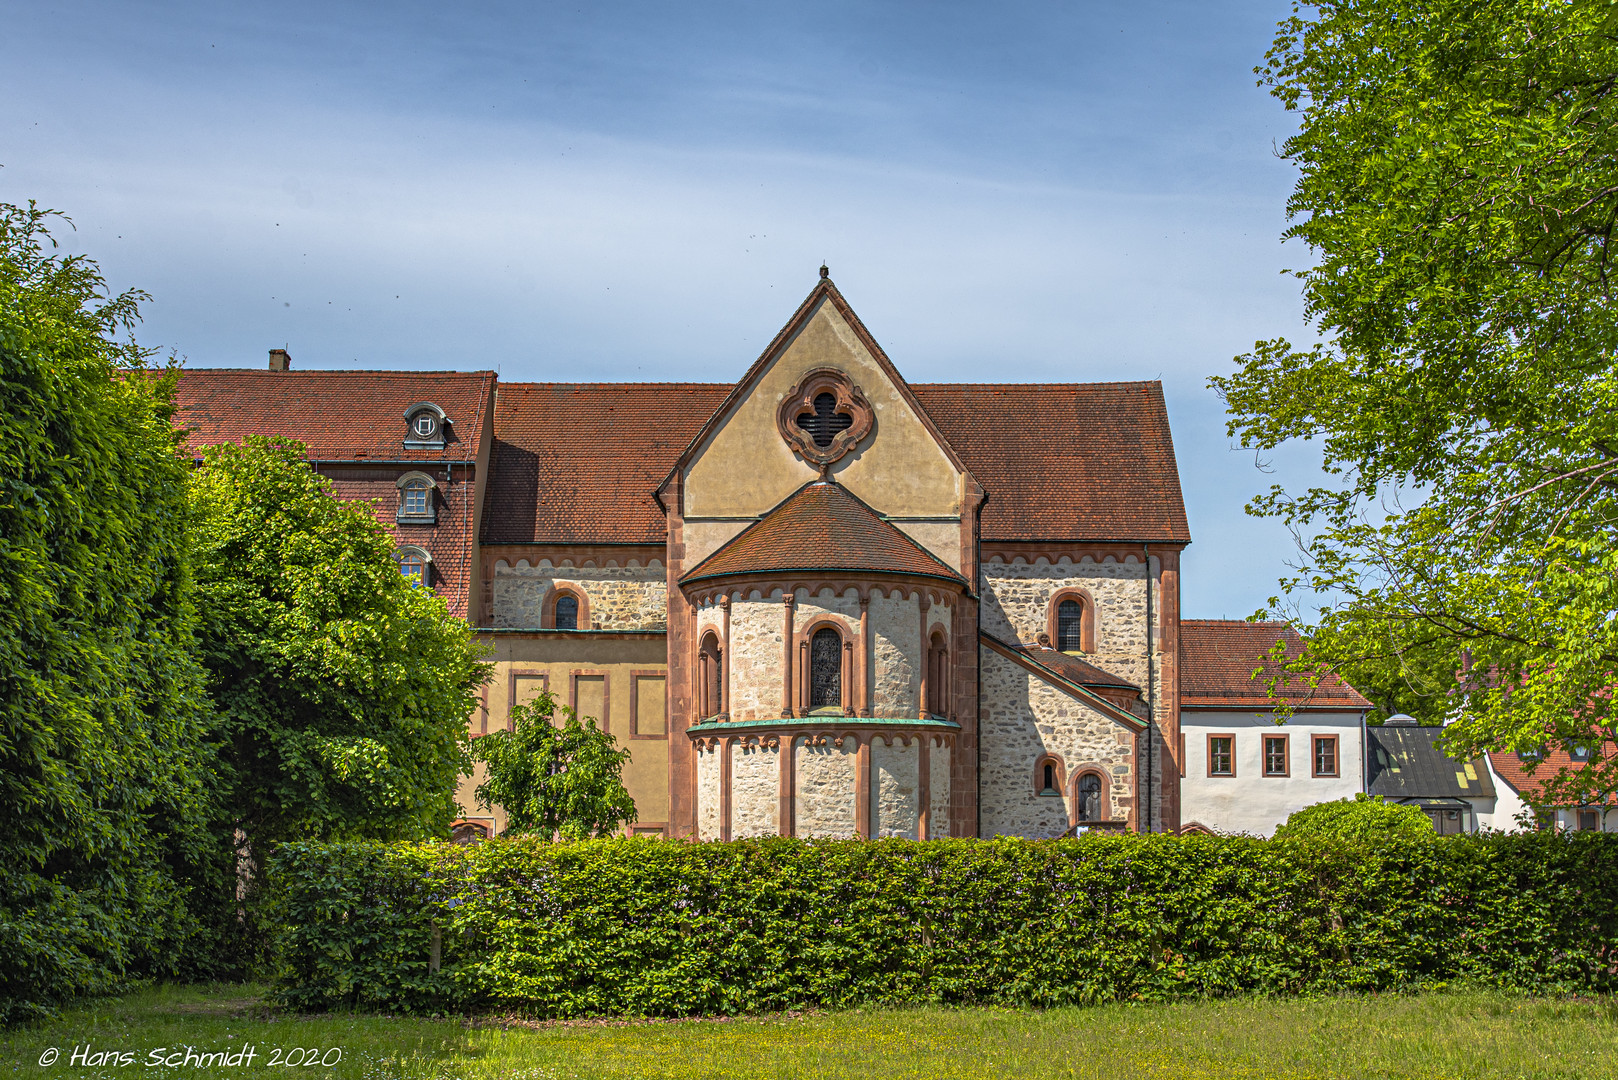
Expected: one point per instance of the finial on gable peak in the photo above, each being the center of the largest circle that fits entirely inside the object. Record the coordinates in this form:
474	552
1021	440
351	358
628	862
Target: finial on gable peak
825	272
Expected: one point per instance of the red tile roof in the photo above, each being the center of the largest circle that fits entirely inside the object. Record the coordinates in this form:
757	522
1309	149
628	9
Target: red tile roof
1066	461
341	415
1073	669
821	526
577	463
1513	769
1217	659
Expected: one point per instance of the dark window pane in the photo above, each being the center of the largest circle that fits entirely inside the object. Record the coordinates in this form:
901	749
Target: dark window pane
1070	626
824	424
825	669
1219	754
1089	797
567	612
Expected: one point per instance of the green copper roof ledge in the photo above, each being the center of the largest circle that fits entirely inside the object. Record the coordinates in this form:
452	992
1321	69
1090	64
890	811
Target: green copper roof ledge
716	727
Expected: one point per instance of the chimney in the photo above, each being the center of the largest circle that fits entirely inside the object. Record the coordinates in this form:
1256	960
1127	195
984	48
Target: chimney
280	360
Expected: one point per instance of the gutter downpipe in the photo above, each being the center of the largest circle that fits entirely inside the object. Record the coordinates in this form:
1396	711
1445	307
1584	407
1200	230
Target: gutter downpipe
1151	697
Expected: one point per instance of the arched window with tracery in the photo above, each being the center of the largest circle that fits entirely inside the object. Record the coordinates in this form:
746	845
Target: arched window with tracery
1089	806
711	675
825	669
937	675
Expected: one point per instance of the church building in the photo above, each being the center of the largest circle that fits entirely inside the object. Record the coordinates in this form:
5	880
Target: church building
821	600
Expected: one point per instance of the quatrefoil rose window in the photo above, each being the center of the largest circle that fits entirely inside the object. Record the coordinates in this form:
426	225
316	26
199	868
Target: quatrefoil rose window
825	416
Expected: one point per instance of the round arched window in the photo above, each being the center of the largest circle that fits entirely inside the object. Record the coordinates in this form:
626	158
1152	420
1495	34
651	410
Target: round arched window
1089	792
825	669
567	612
415	498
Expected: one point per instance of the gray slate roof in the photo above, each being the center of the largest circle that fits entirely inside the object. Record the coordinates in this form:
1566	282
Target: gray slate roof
1403	763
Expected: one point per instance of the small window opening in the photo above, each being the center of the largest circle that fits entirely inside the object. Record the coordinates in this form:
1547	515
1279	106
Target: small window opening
825	669
825	423
1588	821
1089	792
1049	787
1070	626
713	676
415	497
1220	758
425	424
567	612
1579	753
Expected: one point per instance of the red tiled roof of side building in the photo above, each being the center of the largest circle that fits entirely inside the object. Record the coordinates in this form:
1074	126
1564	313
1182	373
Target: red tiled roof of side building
578	462
1066	461
821	526
1513	769
339	415
1218	657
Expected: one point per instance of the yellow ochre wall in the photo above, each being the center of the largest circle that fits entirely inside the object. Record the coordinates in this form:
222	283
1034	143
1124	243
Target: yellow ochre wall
746	468
577	666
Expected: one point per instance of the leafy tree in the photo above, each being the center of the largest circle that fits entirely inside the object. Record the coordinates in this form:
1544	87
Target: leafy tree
342	687
1364	817
554	780
1458	188
101	790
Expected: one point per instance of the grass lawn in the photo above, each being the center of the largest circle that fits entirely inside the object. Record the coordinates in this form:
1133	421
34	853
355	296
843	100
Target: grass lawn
1442	1036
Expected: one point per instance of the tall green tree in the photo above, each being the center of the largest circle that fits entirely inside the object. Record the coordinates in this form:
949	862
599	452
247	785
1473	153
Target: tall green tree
342	687
102	792
554	779
1458	190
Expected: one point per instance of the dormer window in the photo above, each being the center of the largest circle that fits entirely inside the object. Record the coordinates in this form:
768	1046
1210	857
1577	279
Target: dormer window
416	503
426	427
415	564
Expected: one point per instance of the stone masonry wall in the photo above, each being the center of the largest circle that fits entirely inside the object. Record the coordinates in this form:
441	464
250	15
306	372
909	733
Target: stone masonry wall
896	632
825	787
898	790
1023	717
755	784
632	597
938	785
1017	599
708	794
755	658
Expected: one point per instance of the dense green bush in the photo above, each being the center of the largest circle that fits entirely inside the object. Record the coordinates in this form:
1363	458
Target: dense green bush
105	857
651	927
1364	818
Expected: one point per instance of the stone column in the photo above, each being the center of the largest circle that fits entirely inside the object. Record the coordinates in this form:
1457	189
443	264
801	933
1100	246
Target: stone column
788	602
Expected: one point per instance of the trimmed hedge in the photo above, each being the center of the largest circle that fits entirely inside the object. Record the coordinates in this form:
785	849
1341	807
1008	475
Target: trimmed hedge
657	928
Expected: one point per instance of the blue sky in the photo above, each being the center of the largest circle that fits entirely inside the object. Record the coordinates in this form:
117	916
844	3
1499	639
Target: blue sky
644	191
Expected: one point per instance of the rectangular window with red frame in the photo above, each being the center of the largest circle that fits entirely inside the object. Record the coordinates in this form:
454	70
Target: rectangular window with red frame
1325	755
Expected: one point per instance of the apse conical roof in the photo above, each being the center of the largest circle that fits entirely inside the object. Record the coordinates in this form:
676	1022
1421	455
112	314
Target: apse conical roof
822	526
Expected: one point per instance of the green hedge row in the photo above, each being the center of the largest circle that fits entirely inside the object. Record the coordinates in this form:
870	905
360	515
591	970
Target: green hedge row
652	927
